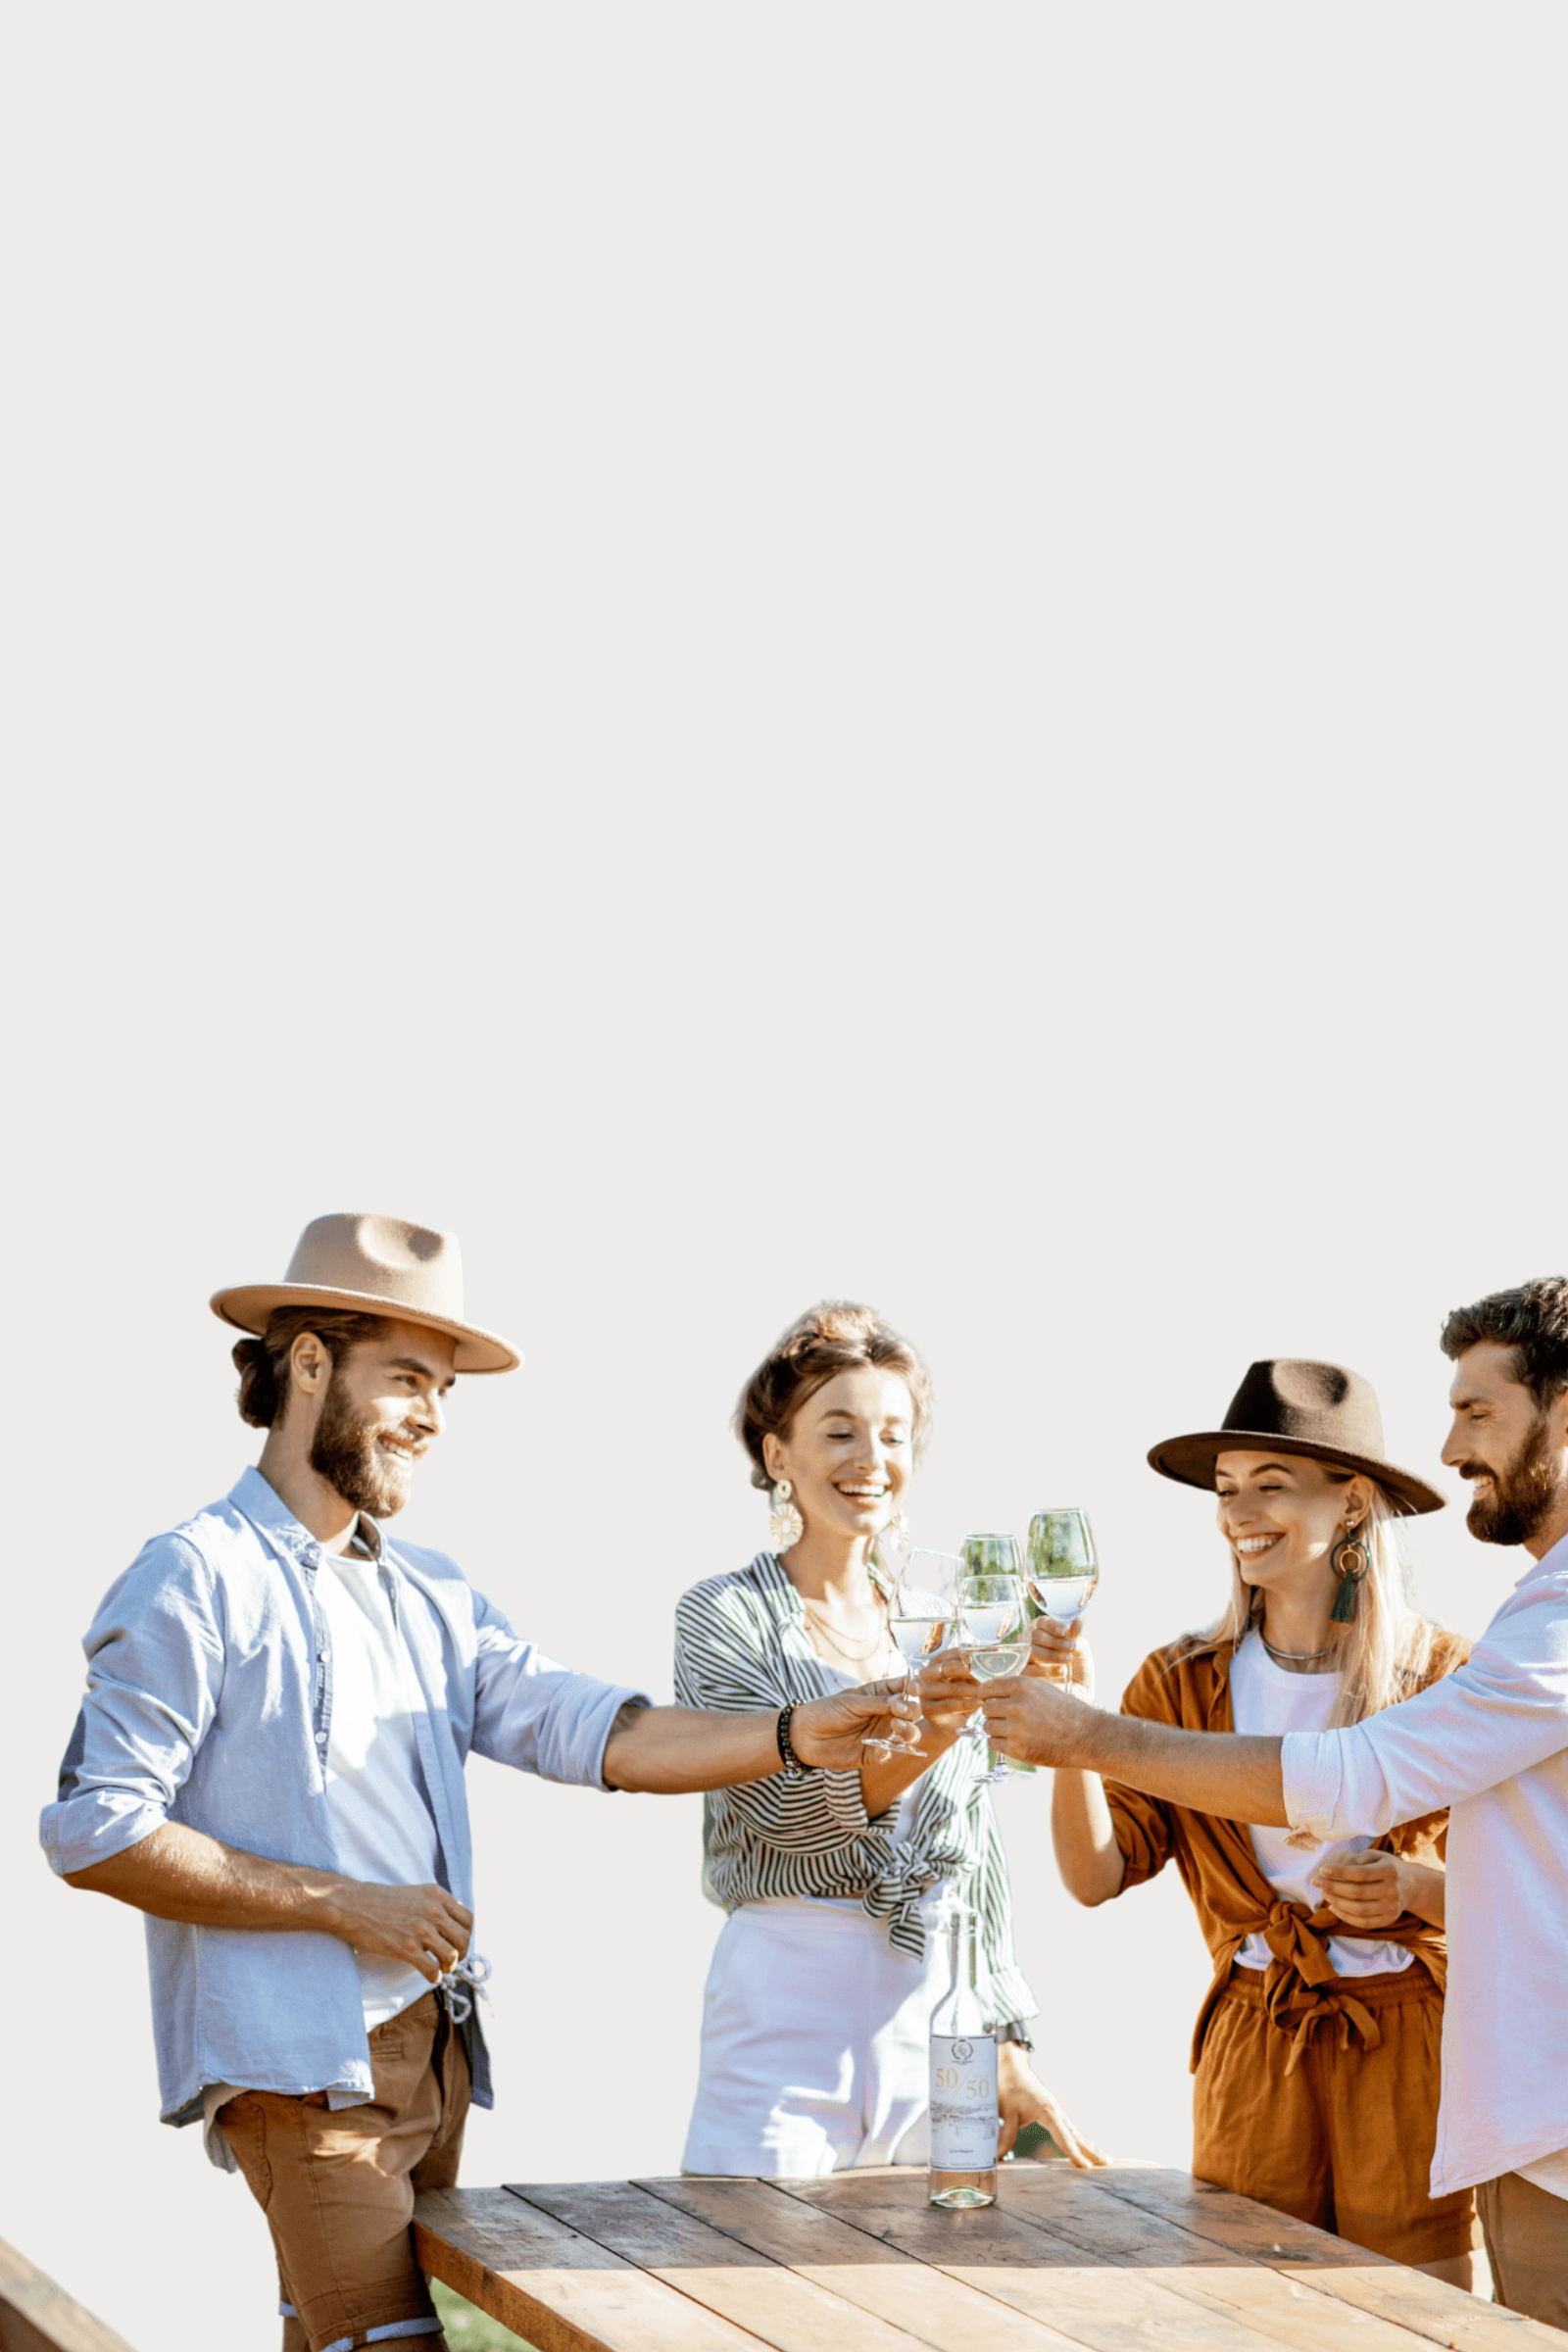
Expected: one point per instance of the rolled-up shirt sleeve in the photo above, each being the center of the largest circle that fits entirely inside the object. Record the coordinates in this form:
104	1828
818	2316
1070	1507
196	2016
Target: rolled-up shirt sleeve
537	1715
155	1669
1500	1713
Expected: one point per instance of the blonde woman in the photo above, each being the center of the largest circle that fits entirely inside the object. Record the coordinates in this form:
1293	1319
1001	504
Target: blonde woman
818	2009
1316	2051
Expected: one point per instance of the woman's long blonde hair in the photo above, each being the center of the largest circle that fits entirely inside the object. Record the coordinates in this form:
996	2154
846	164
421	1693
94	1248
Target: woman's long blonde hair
1385	1653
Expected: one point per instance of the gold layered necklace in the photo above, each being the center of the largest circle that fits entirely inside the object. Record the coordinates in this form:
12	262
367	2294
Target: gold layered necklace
851	1657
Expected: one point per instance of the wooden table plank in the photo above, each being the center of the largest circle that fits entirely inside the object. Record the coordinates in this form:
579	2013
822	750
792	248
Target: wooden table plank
1021	2266
1295	2314
780	2308
1229	2220
37	2316
1425	2307
860	2268
553	2285
1060	2199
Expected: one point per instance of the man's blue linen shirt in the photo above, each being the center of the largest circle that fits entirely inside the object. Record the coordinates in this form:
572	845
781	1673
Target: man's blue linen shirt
209	1701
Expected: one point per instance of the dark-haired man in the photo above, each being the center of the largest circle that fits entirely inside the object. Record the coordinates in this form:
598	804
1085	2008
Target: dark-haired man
269	1763
1489	1741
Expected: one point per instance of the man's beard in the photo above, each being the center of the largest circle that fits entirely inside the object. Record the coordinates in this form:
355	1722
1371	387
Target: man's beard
1523	1496
344	1452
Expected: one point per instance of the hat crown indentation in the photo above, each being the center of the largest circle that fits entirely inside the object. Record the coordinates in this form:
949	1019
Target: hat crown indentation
391	1256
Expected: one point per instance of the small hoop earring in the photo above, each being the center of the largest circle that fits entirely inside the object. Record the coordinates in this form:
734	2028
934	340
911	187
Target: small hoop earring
1349	1560
785	1526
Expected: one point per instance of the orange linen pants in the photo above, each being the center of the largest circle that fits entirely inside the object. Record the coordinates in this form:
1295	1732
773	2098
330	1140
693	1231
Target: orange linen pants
1321	2121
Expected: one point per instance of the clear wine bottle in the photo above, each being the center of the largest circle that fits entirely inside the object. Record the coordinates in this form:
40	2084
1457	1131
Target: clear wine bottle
964	2117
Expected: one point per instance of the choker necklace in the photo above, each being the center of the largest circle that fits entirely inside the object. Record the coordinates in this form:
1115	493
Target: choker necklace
1293	1657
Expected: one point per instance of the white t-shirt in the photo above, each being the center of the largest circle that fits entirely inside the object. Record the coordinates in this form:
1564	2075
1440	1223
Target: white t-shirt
381	1821
1266	1701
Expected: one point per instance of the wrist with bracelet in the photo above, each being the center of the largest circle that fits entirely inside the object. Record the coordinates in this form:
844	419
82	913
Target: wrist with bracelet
793	1769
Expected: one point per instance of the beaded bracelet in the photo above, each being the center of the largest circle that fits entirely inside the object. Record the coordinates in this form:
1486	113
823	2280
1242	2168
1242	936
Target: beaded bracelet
793	1769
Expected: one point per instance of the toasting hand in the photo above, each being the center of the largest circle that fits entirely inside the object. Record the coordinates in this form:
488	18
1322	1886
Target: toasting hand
1036	1721
832	1732
1058	1653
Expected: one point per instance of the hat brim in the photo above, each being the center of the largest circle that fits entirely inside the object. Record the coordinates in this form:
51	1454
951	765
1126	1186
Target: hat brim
249	1307
1190	1461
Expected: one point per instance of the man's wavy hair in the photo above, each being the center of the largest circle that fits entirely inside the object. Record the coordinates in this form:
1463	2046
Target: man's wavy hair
263	1364
832	1338
1533	1320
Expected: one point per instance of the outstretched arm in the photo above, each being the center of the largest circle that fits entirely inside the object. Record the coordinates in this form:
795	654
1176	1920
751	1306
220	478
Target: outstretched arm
180	1873
1208	1772
670	1750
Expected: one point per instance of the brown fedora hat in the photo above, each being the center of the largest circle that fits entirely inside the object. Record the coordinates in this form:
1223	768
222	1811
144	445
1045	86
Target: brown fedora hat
368	1265
1289	1405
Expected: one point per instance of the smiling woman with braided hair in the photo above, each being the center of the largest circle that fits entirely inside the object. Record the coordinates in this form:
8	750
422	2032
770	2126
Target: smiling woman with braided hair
818	2009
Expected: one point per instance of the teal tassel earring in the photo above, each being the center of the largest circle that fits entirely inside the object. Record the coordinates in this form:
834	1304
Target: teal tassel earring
1349	1560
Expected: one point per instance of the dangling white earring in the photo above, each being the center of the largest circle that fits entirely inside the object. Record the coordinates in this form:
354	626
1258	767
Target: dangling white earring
785	1526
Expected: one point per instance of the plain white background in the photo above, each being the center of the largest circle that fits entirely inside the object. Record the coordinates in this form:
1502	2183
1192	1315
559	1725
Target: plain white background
751	653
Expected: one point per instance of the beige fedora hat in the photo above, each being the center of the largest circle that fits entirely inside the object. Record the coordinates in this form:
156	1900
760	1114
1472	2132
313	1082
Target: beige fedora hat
369	1265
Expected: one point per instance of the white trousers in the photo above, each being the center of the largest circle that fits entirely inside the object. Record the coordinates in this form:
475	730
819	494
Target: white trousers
816	2043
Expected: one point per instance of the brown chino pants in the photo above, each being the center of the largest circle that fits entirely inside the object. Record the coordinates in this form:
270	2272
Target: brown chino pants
1343	2138
338	2187
1526	2230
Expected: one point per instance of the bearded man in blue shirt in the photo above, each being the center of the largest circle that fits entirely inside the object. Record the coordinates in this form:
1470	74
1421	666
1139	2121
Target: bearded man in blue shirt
268	1764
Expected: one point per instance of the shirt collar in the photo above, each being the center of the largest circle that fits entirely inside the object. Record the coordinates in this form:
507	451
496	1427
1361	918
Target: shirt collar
1554	1564
266	1508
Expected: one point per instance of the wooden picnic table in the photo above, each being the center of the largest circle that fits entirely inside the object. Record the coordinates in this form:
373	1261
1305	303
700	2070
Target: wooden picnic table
1118	2260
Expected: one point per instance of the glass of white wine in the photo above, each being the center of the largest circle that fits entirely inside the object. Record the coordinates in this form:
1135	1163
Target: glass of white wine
993	1627
1061	1563
921	1618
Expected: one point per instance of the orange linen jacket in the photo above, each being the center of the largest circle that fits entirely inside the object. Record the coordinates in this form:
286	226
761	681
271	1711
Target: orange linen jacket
1191	1688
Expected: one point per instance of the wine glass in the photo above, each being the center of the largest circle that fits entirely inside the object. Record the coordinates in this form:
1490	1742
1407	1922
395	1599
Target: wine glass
920	1617
1061	1563
994	1628
992	1555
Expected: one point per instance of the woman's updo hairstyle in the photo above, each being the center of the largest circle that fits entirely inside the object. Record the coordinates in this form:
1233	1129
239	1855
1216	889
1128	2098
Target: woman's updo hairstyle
263	1364
835	1336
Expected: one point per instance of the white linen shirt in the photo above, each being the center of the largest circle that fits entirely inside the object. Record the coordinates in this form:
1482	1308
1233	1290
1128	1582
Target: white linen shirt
1489	1741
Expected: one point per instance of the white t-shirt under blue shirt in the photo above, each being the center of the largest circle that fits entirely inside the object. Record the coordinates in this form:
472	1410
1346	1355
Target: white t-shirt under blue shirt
382	1825
1266	1701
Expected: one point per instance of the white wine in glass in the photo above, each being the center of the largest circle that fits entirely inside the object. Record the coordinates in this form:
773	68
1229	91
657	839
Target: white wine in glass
1061	1564
921	1621
994	1628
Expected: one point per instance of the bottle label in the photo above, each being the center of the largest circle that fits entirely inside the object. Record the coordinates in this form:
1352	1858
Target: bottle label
963	2102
